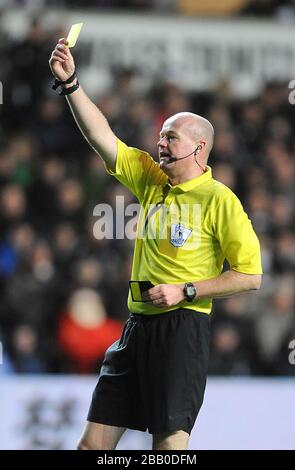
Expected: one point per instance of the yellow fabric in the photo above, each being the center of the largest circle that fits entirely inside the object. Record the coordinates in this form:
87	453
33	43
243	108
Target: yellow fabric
213	227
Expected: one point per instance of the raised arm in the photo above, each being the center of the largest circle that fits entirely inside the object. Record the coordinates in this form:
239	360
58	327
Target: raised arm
88	117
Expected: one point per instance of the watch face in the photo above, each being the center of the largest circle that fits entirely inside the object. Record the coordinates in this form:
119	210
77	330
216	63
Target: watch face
190	291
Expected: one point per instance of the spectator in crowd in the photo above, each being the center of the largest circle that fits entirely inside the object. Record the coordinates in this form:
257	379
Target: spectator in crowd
26	352
85	331
229	356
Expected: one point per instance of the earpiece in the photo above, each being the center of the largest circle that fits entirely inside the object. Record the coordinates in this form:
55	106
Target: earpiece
197	149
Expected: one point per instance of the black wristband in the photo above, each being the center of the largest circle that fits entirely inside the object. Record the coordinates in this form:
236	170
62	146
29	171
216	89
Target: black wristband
58	83
68	91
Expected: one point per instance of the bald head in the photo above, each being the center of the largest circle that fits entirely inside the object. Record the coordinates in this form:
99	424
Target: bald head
194	126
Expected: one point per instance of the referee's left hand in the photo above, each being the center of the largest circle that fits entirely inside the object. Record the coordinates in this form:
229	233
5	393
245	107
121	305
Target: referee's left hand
164	295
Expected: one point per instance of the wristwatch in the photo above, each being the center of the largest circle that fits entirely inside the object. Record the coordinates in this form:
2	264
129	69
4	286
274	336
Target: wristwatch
189	291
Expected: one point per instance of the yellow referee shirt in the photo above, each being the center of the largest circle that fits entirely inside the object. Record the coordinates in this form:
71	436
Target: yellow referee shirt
185	232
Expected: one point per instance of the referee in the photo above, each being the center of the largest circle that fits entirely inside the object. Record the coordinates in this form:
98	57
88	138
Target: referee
153	378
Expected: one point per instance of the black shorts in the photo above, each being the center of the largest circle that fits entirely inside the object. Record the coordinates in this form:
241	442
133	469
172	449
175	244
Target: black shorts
154	377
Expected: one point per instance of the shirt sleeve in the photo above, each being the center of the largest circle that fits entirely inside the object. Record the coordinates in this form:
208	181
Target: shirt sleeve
135	169
236	236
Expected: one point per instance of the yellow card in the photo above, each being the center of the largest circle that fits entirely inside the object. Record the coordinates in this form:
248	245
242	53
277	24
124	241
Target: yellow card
74	34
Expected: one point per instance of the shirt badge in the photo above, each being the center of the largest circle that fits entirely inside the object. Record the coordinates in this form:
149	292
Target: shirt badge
179	234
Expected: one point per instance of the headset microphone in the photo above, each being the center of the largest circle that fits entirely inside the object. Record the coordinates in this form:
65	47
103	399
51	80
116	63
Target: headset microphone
174	159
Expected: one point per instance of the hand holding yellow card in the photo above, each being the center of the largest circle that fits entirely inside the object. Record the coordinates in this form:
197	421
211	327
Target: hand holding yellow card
74	34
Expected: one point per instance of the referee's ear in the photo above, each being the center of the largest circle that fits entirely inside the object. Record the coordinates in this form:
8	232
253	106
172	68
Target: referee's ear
197	149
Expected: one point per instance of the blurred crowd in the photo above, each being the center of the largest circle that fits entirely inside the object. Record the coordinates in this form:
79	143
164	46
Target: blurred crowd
284	9
63	292
121	4
265	8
